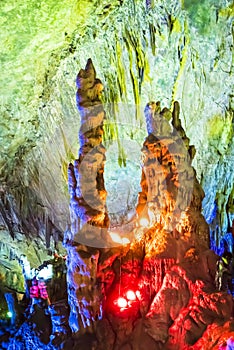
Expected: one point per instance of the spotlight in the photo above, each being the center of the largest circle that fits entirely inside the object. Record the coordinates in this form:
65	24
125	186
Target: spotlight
115	237
122	302
9	314
138	294
130	295
125	240
118	239
144	222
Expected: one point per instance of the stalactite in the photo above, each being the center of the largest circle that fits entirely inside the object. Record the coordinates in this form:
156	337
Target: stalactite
183	57
134	80
134	44
120	70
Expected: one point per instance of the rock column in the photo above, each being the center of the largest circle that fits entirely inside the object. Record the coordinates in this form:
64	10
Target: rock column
171	197
87	205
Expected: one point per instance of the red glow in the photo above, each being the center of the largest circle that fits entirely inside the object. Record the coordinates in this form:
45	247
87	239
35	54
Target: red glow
122	302
138	294
131	295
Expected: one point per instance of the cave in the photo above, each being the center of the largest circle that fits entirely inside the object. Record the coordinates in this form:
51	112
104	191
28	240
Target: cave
117	182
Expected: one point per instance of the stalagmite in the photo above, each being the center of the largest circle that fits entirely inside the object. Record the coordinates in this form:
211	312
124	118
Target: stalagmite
87	204
147	291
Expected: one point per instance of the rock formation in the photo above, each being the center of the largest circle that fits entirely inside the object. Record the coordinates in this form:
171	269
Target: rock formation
88	211
156	291
152	287
167	50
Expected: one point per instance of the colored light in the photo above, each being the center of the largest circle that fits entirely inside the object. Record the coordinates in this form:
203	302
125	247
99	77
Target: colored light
122	302
117	239
144	222
138	294
46	273
9	314
125	240
131	295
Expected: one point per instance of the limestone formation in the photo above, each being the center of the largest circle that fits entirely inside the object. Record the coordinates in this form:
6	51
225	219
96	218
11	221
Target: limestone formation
169	50
160	285
171	195
156	291
86	184
87	204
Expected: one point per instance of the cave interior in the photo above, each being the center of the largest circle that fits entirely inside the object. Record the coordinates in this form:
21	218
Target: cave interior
116	192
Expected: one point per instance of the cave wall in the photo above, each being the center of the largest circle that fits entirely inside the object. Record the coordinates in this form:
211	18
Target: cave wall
165	50
171	50
142	50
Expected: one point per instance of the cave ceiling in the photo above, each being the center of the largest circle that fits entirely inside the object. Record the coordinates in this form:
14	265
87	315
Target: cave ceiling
142	51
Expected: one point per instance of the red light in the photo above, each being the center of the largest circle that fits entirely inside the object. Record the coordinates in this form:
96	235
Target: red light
131	295
138	294
122	302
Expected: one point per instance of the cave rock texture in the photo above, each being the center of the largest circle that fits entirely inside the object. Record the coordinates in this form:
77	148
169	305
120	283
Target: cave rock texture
159	288
151	191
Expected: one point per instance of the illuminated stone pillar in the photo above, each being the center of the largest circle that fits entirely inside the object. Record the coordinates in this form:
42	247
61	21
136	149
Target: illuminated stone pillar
87	205
85	177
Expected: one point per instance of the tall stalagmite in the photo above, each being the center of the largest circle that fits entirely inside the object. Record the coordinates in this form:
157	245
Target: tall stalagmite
87	204
157	290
